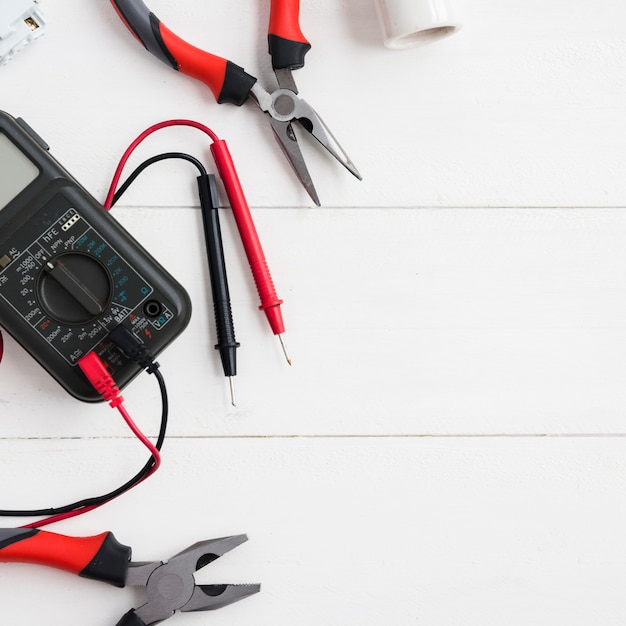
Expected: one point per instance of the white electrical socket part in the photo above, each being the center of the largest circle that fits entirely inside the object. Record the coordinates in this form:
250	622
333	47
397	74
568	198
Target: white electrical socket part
21	21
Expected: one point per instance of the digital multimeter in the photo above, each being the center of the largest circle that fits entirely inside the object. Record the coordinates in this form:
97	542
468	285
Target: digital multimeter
69	273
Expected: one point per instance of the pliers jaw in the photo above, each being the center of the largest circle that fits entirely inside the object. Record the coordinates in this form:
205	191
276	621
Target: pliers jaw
284	107
171	586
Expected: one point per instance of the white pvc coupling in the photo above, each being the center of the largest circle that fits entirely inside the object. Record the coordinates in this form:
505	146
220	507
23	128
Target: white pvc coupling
410	23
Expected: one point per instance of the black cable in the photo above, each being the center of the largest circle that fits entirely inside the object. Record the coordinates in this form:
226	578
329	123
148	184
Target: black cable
159	157
99	500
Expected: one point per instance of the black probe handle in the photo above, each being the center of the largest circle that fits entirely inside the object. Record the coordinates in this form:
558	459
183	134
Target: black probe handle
226	342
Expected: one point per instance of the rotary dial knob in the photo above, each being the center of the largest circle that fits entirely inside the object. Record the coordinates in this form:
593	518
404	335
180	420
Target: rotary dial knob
74	288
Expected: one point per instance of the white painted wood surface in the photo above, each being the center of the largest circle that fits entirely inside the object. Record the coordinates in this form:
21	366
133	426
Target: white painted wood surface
448	447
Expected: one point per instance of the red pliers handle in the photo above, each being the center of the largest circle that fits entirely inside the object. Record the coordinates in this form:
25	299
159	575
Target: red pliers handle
100	557
229	82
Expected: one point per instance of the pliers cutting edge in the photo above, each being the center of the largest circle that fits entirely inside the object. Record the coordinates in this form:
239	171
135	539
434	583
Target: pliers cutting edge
170	585
231	83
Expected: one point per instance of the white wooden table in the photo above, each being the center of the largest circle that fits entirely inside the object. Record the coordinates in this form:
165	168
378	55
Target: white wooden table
448	447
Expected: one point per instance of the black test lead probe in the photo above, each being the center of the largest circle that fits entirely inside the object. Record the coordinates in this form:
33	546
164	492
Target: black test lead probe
226	343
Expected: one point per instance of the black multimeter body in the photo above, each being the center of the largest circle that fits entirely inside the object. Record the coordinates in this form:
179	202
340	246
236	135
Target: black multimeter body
69	273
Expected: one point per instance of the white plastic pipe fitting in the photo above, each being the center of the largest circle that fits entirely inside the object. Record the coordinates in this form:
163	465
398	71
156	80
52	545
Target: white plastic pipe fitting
410	23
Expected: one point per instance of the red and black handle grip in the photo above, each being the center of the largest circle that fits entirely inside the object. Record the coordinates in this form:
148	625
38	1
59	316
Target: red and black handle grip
100	557
287	45
228	82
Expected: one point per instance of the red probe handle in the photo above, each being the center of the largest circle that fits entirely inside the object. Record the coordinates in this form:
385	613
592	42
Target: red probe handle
228	82
100	557
270	303
287	44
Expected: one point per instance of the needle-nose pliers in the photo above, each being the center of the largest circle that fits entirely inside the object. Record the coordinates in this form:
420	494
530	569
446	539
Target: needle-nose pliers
170	585
232	84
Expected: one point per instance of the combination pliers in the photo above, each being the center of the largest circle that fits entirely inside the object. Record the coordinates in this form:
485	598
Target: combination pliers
170	585
232	84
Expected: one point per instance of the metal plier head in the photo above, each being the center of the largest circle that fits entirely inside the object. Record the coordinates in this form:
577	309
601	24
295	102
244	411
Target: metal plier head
284	107
171	586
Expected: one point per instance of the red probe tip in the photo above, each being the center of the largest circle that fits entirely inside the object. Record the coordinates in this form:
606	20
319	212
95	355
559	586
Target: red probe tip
284	347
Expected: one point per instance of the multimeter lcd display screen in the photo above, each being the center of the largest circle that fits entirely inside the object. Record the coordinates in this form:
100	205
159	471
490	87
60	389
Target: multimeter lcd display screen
17	171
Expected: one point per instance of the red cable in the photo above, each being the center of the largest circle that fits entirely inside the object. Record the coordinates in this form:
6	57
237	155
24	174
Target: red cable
103	383
146	442
270	303
118	172
60	517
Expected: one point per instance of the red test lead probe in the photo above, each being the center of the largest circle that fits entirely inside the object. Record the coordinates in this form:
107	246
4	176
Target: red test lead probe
270	304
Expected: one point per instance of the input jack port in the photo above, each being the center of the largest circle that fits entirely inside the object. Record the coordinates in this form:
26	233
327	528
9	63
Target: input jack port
152	308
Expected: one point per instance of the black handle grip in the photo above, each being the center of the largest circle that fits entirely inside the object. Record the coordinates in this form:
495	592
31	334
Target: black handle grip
110	563
287	54
145	26
131	619
287	44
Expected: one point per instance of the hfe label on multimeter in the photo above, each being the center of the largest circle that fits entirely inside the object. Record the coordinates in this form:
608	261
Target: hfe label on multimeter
69	273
